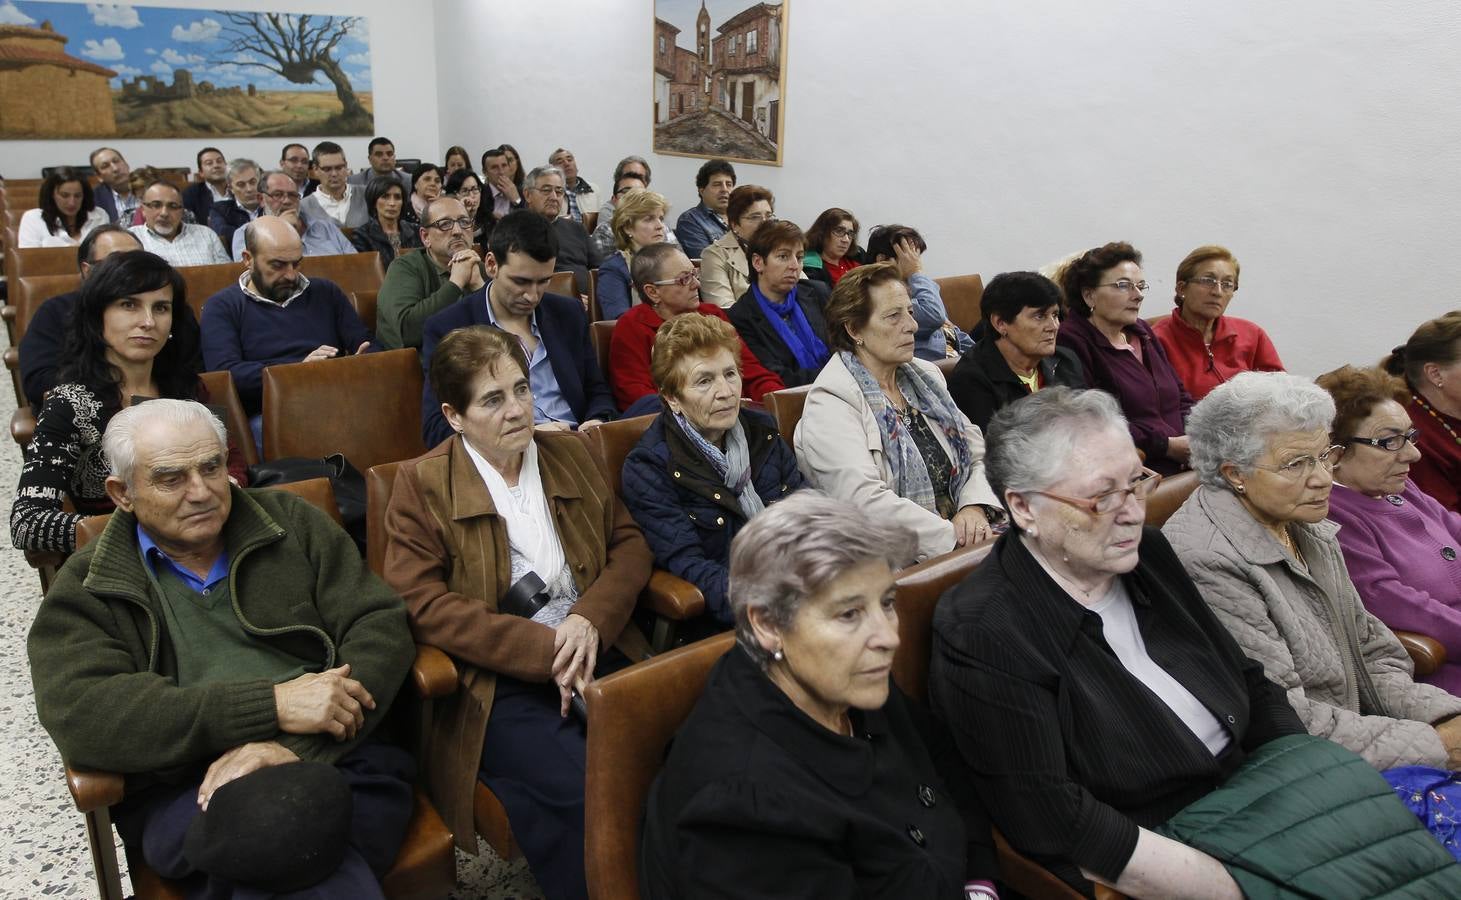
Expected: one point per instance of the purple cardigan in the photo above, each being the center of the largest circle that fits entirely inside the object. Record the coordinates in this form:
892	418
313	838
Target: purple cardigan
1397	557
1150	393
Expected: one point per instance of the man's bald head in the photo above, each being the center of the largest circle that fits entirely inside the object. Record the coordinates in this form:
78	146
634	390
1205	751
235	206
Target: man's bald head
272	250
269	234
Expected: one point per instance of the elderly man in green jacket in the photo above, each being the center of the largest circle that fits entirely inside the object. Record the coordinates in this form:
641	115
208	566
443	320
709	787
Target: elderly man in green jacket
228	652
418	285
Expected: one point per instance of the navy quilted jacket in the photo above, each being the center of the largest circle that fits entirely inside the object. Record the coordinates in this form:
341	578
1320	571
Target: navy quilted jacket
684	509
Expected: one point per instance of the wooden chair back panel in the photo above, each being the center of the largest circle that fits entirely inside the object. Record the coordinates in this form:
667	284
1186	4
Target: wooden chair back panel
350	271
602	334
379	481
40	261
562	283
33	290
205	281
786	407
364	302
635	712
612	441
918	590
13	215
1169	497
367	407
221	393
961	295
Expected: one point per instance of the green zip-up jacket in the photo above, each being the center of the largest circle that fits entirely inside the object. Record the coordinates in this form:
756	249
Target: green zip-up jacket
103	662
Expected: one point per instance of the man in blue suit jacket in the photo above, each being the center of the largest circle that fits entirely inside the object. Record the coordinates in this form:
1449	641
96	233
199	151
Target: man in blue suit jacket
569	389
114	195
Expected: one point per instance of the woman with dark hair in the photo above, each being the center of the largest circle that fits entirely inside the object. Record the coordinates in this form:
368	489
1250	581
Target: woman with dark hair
781	317
517	173
832	249
67	213
1018	355
1120	354
425	187
467	186
725	267
456	158
387	232
133	337
1430	363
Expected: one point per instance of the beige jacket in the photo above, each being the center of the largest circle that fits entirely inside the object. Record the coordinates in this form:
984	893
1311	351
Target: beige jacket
840	450
725	272
1346	674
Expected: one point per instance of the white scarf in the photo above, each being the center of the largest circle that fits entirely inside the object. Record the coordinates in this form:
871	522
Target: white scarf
530	530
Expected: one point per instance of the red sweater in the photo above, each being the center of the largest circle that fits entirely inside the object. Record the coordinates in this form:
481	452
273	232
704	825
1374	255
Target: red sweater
633	340
1237	346
1438	471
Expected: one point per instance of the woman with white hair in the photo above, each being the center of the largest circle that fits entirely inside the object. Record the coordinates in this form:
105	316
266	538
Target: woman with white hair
1254	538
802	771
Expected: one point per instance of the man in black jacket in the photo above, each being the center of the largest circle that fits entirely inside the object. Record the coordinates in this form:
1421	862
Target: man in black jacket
200	196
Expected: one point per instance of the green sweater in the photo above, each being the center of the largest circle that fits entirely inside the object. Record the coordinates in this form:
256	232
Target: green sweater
103	664
414	291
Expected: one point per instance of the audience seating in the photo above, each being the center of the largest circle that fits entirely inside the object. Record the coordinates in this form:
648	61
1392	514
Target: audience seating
13	215
946	365
633	714
23	261
205	281
29	292
1169	497
562	283
364	303
961	295
367	407
350	271
221	393
602	335
786	407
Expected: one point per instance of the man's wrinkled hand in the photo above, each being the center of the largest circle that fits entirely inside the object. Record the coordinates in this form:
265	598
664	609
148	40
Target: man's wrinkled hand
328	702
240	761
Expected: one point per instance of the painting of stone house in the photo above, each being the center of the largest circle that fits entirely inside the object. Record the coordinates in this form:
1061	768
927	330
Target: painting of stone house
74	70
719	77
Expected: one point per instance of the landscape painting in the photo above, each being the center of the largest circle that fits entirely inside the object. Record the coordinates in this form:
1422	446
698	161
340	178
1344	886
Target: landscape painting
719	79
83	70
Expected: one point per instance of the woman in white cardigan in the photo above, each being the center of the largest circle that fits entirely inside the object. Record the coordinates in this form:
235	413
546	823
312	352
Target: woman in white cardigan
880	429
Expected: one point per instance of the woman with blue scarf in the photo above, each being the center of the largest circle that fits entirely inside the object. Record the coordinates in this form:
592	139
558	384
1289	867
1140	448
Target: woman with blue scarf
705	467
781	317
880	430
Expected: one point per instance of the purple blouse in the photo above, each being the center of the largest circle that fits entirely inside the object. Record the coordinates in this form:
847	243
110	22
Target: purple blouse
1401	551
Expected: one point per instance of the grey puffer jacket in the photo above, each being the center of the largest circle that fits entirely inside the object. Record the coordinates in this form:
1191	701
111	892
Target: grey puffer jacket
1346	674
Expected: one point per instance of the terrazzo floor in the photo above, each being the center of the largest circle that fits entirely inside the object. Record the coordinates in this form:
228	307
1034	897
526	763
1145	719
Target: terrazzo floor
43	848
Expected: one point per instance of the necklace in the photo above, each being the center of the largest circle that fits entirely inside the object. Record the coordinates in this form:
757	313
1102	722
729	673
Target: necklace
1287	541
1437	416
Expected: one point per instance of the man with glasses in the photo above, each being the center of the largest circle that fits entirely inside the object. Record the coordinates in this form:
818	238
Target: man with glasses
242	206
336	198
568	386
545	196
164	232
418	285
318	233
382	164
294	159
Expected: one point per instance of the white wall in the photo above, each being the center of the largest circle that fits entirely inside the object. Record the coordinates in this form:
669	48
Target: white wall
404	96
1320	141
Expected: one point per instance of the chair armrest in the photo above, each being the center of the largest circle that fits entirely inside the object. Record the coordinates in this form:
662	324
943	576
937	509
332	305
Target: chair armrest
92	790
12	358
1426	652
433	672
22	426
9	313
673	597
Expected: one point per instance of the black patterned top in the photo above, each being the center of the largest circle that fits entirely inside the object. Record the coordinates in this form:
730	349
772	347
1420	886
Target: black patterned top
64	459
940	470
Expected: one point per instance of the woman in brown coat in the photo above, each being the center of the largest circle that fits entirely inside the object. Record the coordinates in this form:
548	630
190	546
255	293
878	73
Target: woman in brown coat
514	556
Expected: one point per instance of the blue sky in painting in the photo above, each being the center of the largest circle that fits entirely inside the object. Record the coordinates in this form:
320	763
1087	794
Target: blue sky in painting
154	40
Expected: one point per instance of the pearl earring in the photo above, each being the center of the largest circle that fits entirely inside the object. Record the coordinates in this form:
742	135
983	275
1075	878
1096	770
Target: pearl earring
859	342
778	655
1239	488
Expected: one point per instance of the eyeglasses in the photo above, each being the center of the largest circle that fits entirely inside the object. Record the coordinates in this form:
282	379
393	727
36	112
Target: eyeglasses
331	170
840	232
549	190
1393	443
468	191
684	279
1304	466
296	160
1208	281
759	217
277	196
446	225
1126	285
626	189
157	205
1109	502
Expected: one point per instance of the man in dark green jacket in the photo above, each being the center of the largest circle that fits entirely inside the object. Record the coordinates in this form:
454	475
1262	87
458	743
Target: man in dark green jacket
229	652
423	283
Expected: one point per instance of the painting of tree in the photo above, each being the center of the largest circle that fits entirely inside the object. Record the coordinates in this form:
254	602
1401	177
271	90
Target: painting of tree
295	47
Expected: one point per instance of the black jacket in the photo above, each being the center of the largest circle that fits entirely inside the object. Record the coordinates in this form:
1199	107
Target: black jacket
371	236
761	337
758	800
198	198
982	382
227	217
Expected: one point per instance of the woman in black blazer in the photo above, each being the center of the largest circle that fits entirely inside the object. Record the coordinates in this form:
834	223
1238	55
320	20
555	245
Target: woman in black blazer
802	771
780	318
387	232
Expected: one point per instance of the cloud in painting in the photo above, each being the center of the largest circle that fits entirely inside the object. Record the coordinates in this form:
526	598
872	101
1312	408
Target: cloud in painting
126	71
197	32
9	15
115	15
174	58
161	68
106	51
358	59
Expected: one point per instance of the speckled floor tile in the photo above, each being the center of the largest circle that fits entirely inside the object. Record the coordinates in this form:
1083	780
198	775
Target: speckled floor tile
43	848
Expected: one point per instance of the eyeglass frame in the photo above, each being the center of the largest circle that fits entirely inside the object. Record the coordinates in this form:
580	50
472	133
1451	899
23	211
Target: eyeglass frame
1411	437
683	279
465	223
156	205
1090	504
1211	281
1311	463
1142	286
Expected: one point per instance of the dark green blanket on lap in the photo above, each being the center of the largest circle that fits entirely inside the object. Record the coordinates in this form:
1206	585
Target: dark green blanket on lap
1304	817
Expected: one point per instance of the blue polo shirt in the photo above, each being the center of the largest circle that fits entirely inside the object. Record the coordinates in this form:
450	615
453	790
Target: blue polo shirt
153	554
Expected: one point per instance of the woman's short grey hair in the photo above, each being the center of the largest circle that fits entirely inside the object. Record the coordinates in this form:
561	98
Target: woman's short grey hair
239	165
794	548
1029	442
1234	423
120	442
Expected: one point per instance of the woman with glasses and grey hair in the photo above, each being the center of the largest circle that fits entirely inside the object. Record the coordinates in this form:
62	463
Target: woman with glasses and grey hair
1254	538
803	771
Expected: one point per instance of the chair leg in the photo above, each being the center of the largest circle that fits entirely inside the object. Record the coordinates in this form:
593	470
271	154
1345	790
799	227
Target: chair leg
104	855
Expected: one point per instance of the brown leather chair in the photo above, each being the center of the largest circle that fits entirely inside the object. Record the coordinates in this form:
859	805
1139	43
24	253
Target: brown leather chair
25	261
367	407
602	334
1426	652
562	283
672	599
594	312
786	407
22	425
961	295
946	365
349	271
1169	497
26	296
221	393
634	714
365	307
424	867
205	281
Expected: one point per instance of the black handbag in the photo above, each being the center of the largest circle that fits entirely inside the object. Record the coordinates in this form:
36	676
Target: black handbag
346	481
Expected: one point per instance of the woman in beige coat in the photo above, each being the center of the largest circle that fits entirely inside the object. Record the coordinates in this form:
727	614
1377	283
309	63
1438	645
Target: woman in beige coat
725	266
1255	540
880	430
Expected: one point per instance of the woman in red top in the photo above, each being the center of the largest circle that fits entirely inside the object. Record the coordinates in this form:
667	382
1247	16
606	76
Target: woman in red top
1205	346
1431	363
832	249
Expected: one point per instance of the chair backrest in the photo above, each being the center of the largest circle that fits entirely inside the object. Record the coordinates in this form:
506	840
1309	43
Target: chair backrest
40	261
946	365
222	393
918	589
351	271
1169	497
367	407
612	441
205	281
961	295
364	302
13	215
633	714
379	481
316	491
602	334
31	291
562	283
786	407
